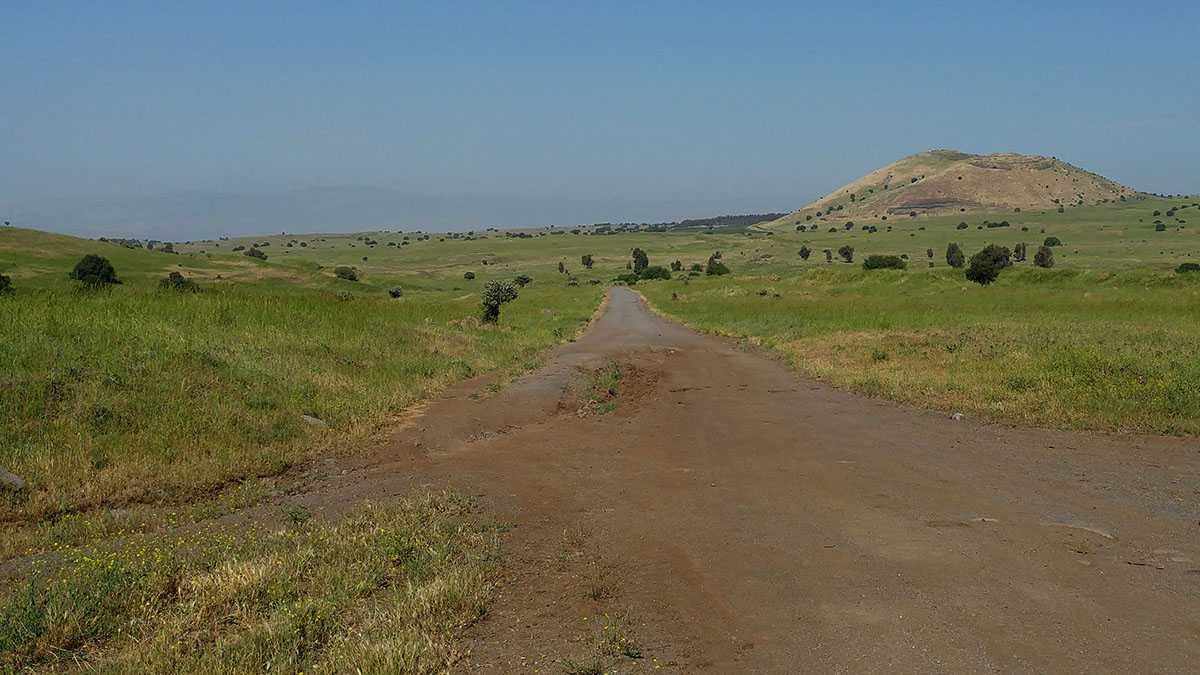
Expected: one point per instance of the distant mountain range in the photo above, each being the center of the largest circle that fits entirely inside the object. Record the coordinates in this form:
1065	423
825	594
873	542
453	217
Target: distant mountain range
179	216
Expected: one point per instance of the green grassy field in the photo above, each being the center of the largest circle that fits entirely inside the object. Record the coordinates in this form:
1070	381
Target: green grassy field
135	409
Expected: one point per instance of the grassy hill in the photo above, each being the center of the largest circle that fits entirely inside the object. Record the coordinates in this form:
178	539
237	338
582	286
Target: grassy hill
949	181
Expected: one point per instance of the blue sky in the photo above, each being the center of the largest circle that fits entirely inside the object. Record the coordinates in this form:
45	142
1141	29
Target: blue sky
605	111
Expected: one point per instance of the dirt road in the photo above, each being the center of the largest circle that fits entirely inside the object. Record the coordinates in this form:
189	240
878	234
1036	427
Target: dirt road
729	516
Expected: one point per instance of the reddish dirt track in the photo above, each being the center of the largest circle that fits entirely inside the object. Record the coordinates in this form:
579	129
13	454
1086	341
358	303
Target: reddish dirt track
738	518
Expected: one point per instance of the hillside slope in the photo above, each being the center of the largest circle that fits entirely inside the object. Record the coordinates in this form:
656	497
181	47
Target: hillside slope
945	181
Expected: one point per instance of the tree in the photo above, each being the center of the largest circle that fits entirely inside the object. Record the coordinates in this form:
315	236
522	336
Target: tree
828	256
928	253
640	260
562	269
6	287
586	260
655	272
677	266
805	251
1044	257
954	256
495	294
177	282
523	280
985	265
961	226
1052	241
1019	252
847	253
715	267
347	273
468	275
254	252
94	271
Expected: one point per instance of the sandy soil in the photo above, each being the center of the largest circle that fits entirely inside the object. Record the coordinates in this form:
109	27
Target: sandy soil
732	517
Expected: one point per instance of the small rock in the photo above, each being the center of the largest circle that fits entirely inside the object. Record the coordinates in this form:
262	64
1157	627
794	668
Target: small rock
11	482
957	417
314	421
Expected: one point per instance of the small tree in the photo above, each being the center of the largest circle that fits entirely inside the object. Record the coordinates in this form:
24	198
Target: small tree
6	286
495	294
805	251
468	275
254	252
985	265
586	260
1052	241
640	260
94	271
562	269
1044	257
1019	252
523	280
677	266
929	253
847	253
177	282
828	256
346	273
715	267
954	256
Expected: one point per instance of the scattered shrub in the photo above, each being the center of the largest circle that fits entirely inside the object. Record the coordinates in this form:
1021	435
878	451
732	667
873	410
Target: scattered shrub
805	252
254	252
1044	257
1188	268
655	272
346	273
1160	227
985	265
715	267
468	275
177	282
629	278
395	292
928	253
523	280
1052	241
961	226
495	294
677	266
696	267
94	271
884	262
586	260
6	286
847	253
828	256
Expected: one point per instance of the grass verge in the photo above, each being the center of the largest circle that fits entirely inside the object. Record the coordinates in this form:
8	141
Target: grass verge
385	590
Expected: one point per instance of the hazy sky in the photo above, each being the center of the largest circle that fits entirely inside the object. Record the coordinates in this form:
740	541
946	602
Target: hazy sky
608	110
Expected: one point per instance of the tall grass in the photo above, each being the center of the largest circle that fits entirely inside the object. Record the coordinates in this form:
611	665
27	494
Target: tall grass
136	394
1080	349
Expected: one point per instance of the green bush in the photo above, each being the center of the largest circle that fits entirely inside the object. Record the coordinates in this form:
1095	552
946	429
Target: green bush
985	265
715	267
1188	268
254	252
961	226
94	271
655	272
629	278
677	266
586	260
177	282
395	292
346	273
847	253
1044	257
1160	227
954	256
523	280
6	286
468	275
805	252
696	267
884	262
1052	241
495	294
